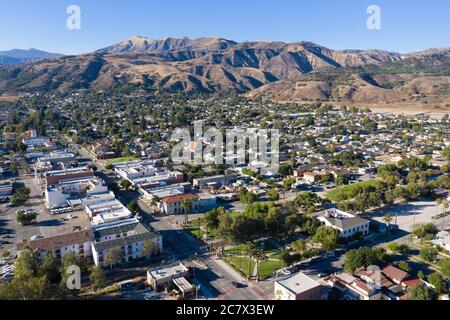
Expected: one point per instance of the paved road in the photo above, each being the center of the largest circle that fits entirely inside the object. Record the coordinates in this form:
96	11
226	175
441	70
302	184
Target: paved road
217	278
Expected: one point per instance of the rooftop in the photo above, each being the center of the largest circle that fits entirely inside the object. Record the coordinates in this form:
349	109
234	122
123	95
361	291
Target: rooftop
298	283
168	271
53	243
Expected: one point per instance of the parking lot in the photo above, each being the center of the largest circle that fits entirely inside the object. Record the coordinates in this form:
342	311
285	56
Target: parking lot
406	216
11	232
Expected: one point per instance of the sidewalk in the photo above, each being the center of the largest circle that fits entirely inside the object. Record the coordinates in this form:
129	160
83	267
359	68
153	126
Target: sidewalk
230	270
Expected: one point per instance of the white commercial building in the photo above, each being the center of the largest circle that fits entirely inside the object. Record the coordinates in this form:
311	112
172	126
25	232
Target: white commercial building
127	236
58	195
297	287
104	208
347	224
78	242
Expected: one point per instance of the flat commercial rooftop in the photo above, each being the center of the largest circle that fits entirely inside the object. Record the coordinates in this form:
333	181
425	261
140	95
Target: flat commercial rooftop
168	271
298	283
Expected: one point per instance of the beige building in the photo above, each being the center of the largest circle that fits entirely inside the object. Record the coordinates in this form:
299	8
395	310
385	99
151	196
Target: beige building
297	287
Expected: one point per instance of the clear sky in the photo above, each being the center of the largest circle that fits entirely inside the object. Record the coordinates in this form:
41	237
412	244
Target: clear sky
407	25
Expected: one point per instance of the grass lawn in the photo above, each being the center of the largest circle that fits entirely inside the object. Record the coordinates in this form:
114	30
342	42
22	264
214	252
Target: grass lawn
118	160
346	192
193	228
237	258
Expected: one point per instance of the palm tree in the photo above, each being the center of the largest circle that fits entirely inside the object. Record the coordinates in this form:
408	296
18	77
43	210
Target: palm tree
438	201
186	206
248	253
446	206
388	219
257	254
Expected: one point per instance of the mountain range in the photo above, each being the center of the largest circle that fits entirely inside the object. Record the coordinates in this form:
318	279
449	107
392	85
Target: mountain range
301	71
18	56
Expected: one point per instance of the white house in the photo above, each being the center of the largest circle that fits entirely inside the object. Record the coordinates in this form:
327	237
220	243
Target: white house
347	224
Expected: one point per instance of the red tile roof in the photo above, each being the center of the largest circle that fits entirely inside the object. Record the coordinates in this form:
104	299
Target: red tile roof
412	283
395	273
180	198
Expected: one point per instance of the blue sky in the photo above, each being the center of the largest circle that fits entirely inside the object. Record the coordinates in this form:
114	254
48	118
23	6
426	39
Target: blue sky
407	25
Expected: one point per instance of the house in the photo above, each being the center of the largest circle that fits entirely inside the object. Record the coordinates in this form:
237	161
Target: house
78	242
101	151
354	288
347	224
312	177
128	236
395	274
297	287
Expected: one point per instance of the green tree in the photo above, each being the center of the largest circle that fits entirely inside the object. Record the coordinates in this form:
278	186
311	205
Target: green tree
114	187
211	218
126	184
425	231
328	237
436	280
404	266
70	260
421	275
186	205
341	181
98	278
286	258
421	293
388	220
150	248
273	195
49	268
114	257
299	246
444	264
362	258
429	254
34	288
134	207
25	266
26	218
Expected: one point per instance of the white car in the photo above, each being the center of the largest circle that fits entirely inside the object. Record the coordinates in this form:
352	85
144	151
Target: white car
35	237
69	217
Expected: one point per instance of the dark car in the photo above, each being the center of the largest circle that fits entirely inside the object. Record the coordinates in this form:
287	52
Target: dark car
237	284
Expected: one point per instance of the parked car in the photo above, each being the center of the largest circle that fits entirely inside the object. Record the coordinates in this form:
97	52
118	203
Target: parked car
237	284
35	237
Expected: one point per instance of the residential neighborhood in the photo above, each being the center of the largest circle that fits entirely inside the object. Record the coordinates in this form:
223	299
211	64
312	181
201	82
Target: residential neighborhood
344	200
223	159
